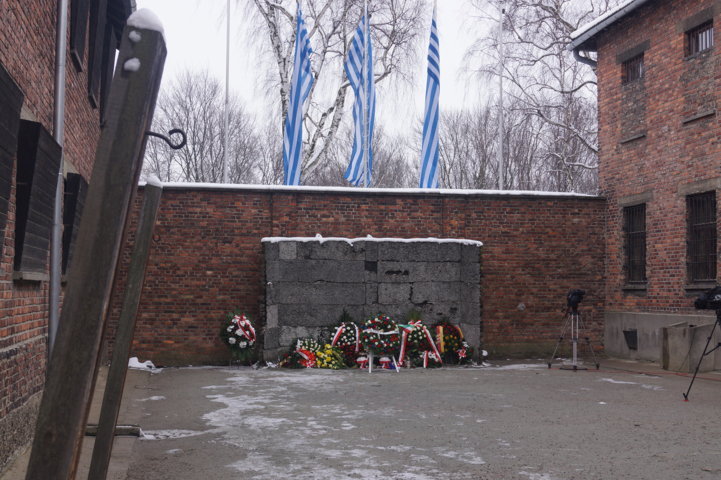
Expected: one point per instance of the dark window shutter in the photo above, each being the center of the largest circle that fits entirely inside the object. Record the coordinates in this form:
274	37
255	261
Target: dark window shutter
110	45
38	164
11	101
75	190
98	24
79	10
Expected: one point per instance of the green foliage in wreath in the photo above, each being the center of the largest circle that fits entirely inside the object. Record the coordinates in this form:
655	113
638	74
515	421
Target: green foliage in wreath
380	335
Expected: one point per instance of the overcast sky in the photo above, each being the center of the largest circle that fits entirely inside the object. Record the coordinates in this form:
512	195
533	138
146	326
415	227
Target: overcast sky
195	35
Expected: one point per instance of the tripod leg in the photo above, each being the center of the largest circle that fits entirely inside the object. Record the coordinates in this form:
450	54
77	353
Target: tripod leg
560	338
588	343
698	366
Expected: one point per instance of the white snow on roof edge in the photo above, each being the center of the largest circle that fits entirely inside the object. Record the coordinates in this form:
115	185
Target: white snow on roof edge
356	190
146	19
600	19
369	238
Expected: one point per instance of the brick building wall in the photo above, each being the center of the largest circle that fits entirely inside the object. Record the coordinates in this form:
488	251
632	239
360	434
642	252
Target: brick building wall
659	139
207	258
27	52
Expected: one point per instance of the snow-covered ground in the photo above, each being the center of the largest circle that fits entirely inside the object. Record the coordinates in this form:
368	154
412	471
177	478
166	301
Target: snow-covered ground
516	421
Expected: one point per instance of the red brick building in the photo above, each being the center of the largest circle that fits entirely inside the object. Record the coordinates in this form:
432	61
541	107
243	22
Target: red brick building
659	74
30	159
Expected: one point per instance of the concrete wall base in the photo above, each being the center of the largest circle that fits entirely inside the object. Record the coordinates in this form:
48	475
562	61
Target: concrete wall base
649	332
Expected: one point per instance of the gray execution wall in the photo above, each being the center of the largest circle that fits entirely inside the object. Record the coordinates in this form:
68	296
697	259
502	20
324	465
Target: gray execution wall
310	280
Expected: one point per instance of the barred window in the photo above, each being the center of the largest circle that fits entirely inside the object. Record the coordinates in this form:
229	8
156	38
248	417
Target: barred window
634	227
633	69
699	39
701	255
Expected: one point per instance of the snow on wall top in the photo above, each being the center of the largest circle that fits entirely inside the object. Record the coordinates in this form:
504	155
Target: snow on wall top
310	189
321	239
146	19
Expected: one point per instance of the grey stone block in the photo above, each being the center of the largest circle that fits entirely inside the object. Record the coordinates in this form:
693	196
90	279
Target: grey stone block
271	316
272	270
371	249
371	293
394	293
319	293
396	312
435	292
470	254
315	315
471	273
336	250
417	251
470	292
287	250
472	334
271	338
270	250
418	271
471	313
320	270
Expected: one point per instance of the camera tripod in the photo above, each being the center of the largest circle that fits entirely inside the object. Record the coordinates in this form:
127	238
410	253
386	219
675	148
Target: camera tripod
706	352
574	320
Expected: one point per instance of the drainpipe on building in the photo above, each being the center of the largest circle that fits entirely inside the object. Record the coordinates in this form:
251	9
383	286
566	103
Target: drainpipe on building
59	135
577	55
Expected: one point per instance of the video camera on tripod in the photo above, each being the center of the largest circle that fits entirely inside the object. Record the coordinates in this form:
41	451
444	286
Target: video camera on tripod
709	300
574	298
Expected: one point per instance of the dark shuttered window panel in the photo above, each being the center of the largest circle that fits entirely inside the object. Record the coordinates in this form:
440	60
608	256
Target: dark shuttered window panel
79	10
38	162
11	101
98	24
701	255
634	226
75	189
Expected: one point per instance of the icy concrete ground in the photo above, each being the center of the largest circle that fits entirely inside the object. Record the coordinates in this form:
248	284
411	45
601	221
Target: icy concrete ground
516	422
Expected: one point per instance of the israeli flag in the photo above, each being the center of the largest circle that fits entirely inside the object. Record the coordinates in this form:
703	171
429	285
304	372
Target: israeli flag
429	149
359	69
301	84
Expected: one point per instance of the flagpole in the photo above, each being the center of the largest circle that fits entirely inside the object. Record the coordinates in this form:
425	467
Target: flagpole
226	119
501	128
366	126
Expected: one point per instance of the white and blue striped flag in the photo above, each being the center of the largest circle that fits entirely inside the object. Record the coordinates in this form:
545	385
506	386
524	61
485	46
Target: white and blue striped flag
361	80
429	150
301	84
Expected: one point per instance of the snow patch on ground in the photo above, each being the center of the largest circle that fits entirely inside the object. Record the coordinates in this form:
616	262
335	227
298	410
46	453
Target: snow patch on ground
521	366
170	434
537	476
147	365
618	382
152	399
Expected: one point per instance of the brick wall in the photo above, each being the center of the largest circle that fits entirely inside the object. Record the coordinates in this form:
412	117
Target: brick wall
677	156
27	52
207	258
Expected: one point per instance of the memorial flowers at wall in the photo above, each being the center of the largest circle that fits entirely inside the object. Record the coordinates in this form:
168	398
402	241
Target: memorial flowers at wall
238	334
381	336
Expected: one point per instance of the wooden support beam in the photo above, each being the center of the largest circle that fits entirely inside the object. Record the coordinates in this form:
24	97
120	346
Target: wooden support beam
73	365
124	336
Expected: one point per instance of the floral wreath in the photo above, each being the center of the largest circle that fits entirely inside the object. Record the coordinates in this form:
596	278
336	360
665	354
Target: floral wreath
347	339
451	343
417	341
381	336
330	357
239	334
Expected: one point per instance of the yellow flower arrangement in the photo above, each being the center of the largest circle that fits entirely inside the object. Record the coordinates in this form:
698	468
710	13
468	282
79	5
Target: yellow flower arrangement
329	357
